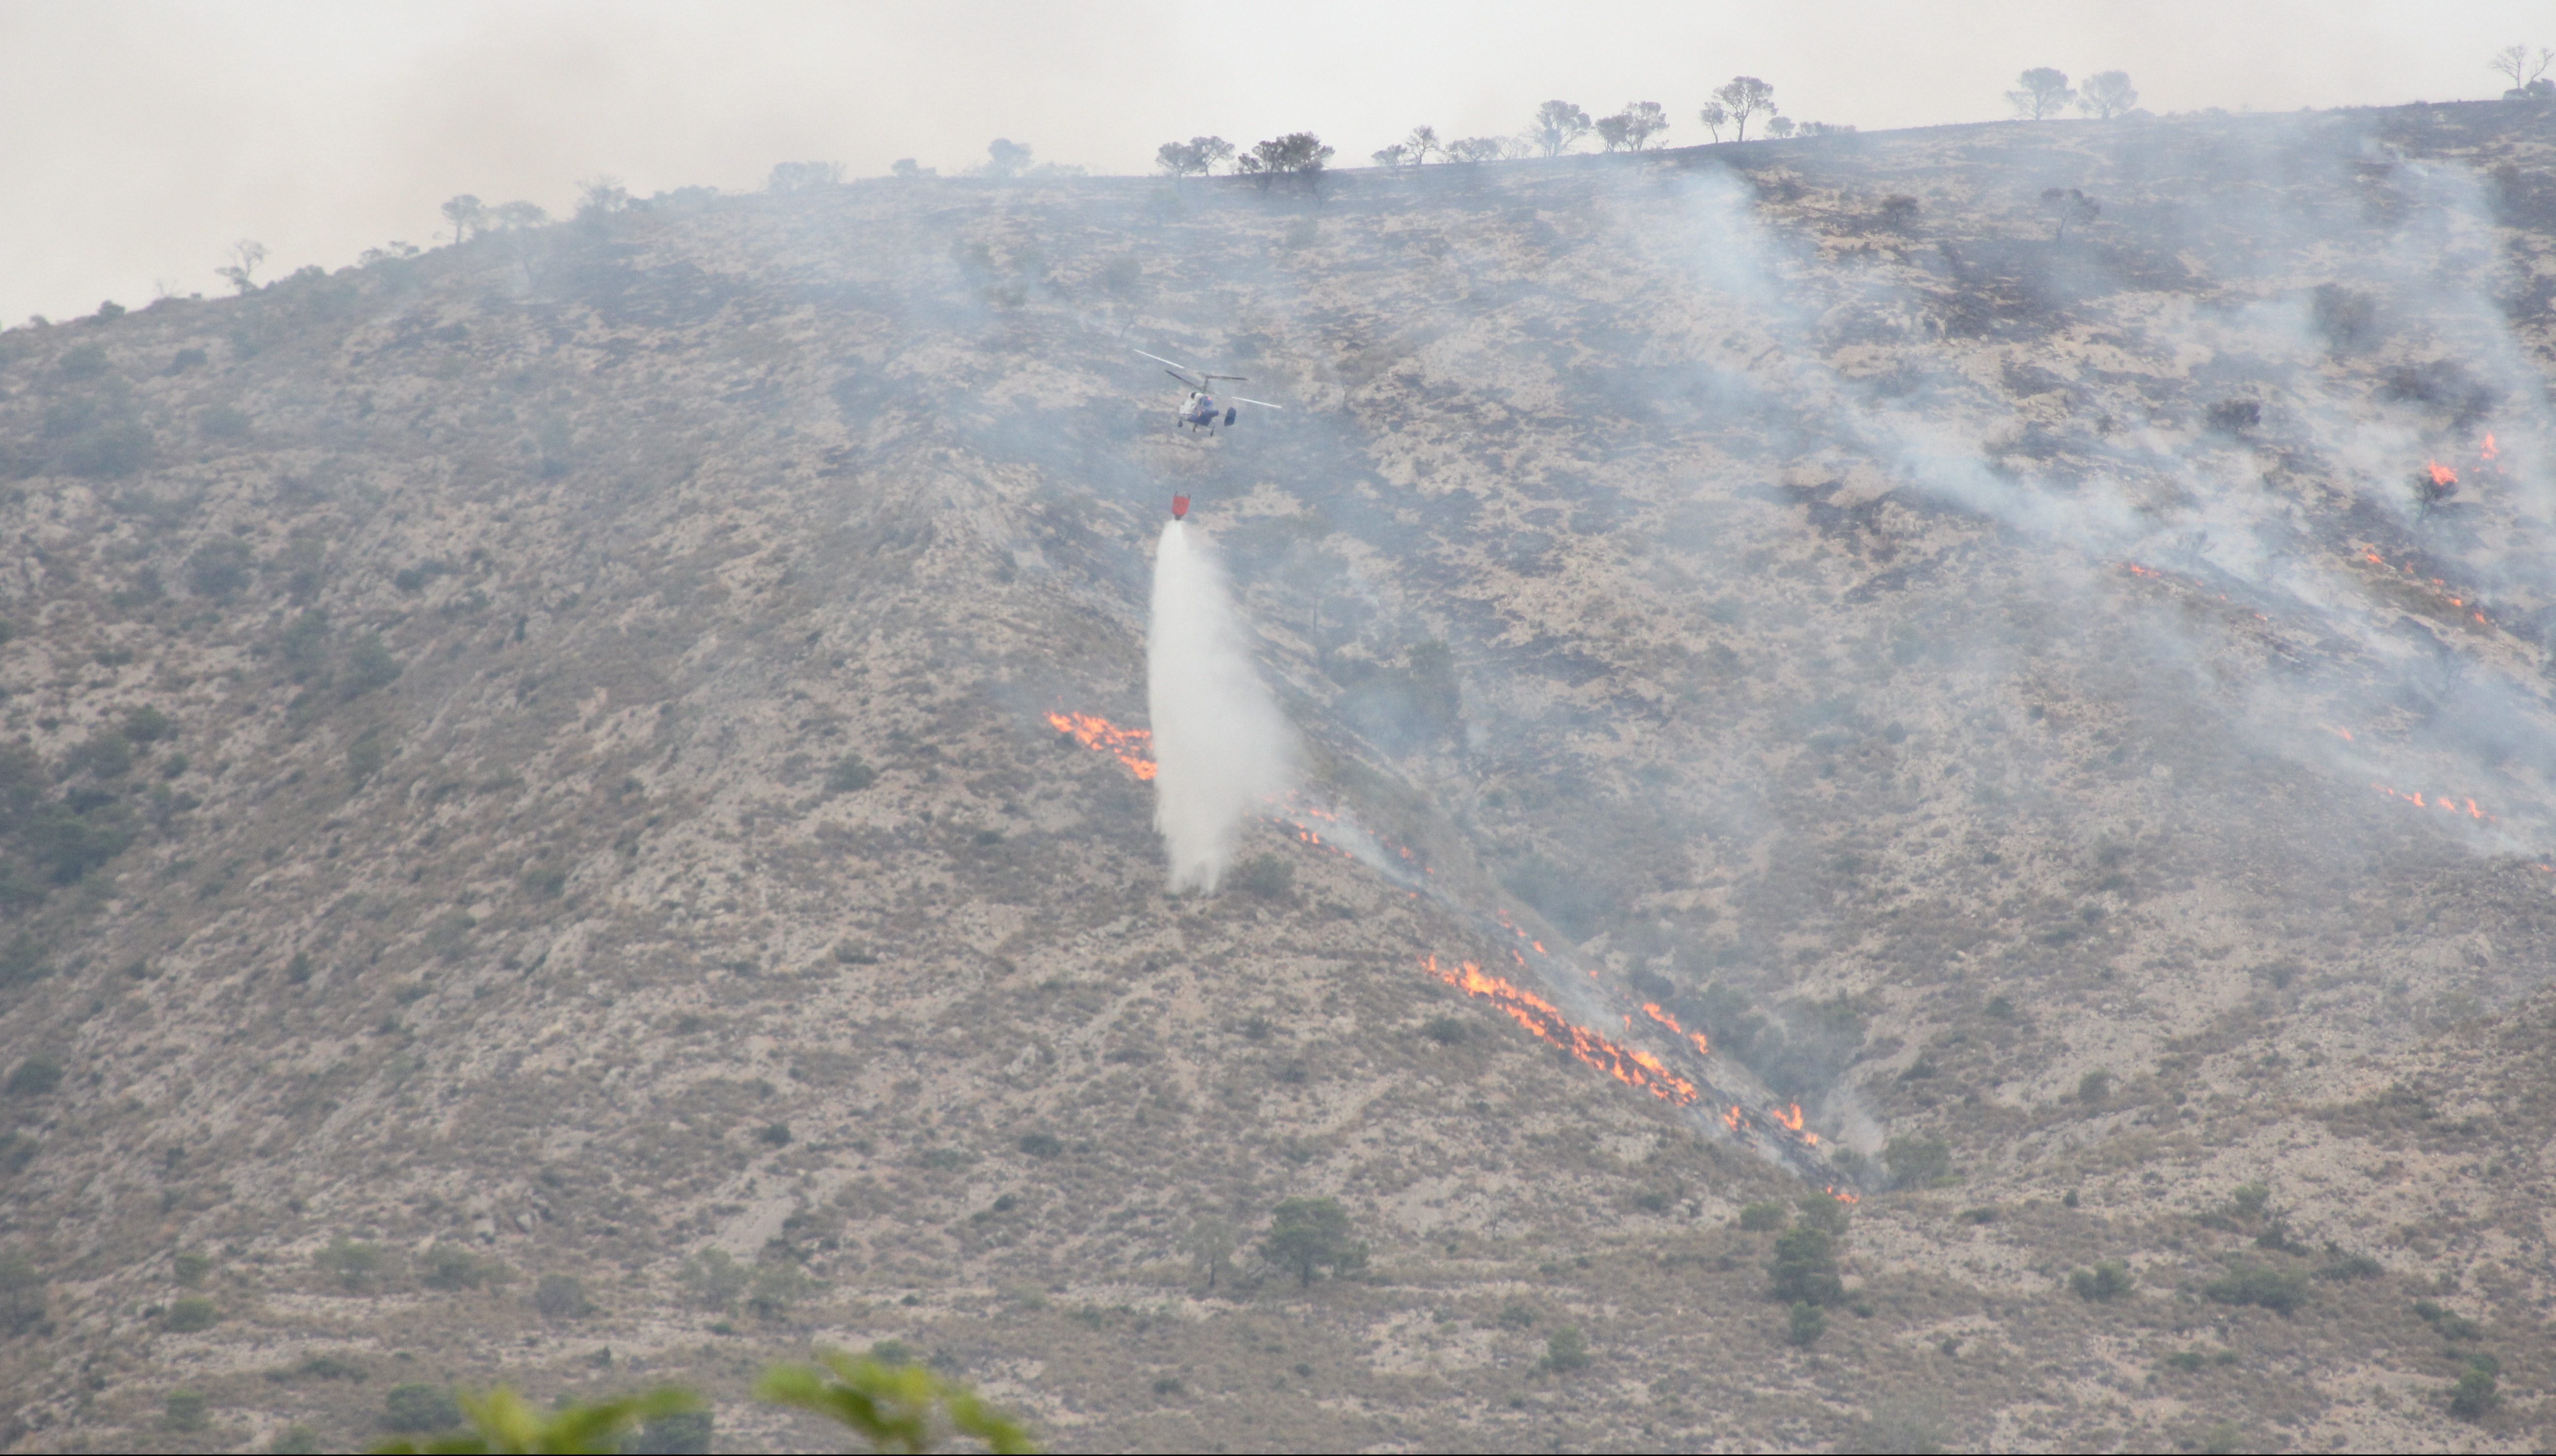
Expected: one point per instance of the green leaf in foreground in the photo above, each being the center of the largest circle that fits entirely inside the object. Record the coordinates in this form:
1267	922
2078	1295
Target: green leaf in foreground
891	1406
503	1421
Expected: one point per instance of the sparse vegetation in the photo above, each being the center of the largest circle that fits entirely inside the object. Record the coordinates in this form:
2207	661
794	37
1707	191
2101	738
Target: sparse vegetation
2110	1279
2276	1290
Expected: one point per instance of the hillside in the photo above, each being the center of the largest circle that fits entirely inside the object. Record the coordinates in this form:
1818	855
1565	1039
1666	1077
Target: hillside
537	845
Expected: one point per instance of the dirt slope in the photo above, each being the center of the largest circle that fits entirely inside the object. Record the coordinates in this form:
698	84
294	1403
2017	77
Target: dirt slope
534	763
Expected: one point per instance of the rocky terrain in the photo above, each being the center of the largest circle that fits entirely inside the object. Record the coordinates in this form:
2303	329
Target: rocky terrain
537	846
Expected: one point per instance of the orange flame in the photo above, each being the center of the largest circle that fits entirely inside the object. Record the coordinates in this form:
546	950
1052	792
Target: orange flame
1131	746
2438	802
1703	1048
1843	1197
1791	1120
1628	1065
2488	451
2443	475
2138	570
1732	1118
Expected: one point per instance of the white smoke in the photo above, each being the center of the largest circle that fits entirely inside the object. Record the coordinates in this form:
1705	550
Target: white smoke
1220	746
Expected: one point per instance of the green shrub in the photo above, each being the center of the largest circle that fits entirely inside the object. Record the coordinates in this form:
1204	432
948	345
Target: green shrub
1446	1031
186	1410
190	1268
2343	1266
296	1440
1265	876
1517	1316
452	1267
849	775
1042	1144
774	1134
1805	1324
149	725
777	1285
37	1077
1566	1350
1917	1162
189	1316
2252	1283
22	1295
1307	1234
2250	1198
1761	1218
562	1296
1805	1269
218	568
2094	1088
356	1266
2473	1396
369	665
712	1279
2110	1279
418	1406
1820	1211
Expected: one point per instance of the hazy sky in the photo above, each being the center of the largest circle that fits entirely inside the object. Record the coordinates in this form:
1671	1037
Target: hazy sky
138	140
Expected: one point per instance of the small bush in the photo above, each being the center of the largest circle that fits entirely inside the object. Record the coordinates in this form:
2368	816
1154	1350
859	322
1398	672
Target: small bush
452	1267
2253	1283
562	1296
2250	1198
369	665
1761	1218
186	1410
712	1279
1917	1162
1041	1144
775	1287
849	775
1566	1350
1805	1269
356	1266
1445	1031
2110	1279
37	1077
2473	1396
2234	416
1805	1324
676	1433
1517	1316
420	1407
296	1440
774	1134
22	1295
189	1316
218	568
189	1270
1265	876
149	725
2095	1088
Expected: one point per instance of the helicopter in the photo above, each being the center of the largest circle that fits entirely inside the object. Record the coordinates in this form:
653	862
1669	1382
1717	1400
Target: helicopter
1200	411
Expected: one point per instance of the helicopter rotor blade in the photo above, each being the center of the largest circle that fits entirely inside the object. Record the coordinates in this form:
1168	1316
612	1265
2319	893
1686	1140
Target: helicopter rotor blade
1196	383
1159	359
1237	378
1263	403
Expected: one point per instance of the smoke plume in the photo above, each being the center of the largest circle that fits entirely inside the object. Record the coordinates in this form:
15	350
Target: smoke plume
1219	740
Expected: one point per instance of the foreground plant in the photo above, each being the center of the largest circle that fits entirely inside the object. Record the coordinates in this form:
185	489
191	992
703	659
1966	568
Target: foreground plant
894	1407
503	1421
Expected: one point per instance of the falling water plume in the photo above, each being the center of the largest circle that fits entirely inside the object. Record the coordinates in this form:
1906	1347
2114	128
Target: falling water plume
1220	744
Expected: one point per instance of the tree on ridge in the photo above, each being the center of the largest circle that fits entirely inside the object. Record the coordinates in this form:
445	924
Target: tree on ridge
2041	91
2107	94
